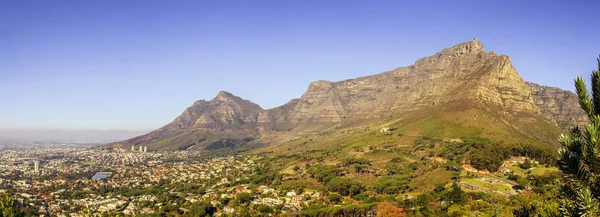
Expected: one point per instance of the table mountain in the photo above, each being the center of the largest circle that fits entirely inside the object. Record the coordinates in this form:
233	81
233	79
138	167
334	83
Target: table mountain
463	74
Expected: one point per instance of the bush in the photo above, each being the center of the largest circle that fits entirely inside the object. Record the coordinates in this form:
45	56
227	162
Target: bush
344	186
334	198
264	209
243	198
392	184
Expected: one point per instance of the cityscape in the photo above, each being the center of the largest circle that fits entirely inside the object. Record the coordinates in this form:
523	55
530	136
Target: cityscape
62	180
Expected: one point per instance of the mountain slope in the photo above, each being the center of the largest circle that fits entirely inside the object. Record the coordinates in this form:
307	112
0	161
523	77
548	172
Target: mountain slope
225	116
421	95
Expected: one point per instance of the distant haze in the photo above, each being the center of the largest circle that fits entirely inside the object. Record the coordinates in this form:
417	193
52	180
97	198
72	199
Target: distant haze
58	135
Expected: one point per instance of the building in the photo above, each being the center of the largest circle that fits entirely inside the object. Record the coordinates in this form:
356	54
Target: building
36	166
228	209
141	148
145	148
133	148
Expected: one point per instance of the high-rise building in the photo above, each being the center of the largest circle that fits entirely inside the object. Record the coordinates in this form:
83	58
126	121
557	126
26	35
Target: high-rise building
145	148
133	148
141	148
36	166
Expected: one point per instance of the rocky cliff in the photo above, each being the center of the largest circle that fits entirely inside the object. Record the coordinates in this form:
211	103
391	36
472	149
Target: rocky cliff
464	72
560	106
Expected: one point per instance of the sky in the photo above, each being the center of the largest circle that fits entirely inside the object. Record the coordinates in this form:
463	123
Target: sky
136	65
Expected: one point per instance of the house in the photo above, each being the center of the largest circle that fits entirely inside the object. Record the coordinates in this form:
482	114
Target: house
228	209
291	194
271	201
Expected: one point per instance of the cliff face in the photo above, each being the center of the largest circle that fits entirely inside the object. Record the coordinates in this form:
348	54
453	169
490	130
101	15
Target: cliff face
461	72
464	71
561	106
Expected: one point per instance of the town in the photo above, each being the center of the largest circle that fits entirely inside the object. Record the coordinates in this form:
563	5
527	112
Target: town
75	181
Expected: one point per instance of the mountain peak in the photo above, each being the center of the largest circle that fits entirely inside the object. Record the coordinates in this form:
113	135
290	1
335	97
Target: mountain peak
467	50
224	96
224	93
473	46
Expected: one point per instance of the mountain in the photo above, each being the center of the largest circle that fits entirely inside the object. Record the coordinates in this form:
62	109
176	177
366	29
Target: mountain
464	71
559	105
225	116
462	87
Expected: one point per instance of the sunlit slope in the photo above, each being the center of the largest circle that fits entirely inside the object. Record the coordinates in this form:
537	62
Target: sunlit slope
451	121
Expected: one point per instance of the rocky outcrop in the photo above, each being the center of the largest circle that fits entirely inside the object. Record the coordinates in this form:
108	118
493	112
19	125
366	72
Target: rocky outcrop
561	106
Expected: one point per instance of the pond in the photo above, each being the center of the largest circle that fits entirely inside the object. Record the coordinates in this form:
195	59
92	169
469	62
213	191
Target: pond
101	175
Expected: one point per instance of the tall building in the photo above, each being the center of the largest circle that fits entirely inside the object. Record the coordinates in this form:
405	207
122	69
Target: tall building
145	148
141	150
133	148
36	166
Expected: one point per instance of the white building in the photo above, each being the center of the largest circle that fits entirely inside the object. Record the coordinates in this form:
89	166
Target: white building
36	166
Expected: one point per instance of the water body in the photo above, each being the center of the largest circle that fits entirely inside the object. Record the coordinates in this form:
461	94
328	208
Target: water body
101	175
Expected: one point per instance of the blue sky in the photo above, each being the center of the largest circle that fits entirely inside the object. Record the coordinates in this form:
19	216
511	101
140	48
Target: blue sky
139	64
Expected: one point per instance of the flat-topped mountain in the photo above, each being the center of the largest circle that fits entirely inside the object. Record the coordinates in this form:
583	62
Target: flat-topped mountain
463	74
464	71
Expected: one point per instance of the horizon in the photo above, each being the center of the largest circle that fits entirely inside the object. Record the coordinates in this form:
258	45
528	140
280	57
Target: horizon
136	66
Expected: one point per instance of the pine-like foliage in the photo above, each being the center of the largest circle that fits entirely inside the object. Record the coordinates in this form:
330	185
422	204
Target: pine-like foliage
8	206
579	157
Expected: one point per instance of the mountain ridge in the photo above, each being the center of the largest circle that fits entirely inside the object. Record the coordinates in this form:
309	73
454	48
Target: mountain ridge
461	72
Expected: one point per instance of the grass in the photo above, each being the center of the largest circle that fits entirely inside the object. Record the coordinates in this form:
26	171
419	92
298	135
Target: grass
487	185
538	171
427	181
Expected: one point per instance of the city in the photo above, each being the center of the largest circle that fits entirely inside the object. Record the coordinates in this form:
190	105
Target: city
72	181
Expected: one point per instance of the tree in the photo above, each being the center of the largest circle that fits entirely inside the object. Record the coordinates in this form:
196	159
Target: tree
9	206
264	209
526	164
439	187
386	209
344	186
579	156
335	198
243	198
202	209
523	183
455	195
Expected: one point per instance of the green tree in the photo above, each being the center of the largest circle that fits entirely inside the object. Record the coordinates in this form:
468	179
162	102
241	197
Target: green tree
344	186
523	183
579	156
455	195
243	198
9	206
335	198
264	209
526	164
